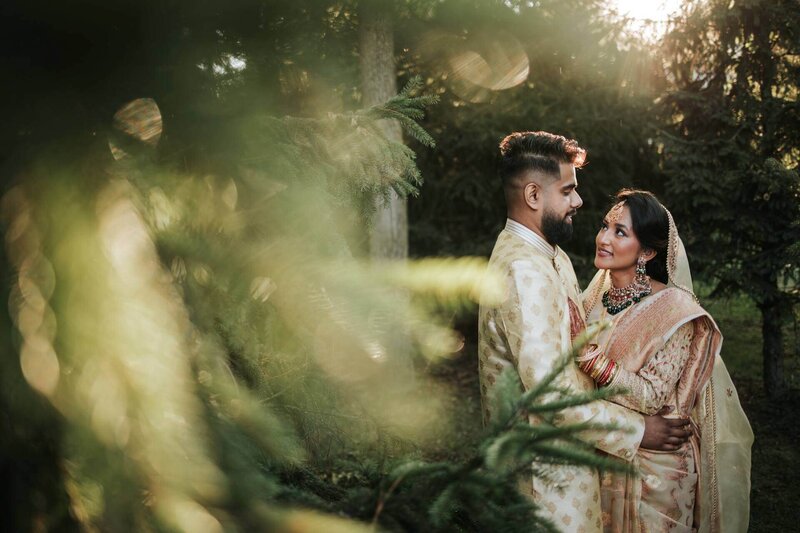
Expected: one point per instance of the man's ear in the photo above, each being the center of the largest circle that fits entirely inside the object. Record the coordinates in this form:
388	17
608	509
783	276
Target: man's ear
533	195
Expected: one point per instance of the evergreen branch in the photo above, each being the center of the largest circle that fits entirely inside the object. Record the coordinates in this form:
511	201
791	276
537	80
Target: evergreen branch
512	447
566	359
407	110
383	497
567	455
572	401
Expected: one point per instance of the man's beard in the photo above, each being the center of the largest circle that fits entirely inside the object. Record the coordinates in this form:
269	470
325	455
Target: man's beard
556	229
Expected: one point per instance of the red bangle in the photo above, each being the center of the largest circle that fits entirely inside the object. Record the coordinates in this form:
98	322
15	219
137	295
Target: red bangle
613	375
587	366
604	379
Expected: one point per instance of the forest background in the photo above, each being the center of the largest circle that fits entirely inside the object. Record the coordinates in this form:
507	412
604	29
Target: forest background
209	326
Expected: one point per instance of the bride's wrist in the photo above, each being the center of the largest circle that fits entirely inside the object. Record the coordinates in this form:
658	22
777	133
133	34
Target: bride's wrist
597	366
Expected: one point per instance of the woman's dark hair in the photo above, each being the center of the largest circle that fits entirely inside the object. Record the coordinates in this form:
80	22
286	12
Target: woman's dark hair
651	226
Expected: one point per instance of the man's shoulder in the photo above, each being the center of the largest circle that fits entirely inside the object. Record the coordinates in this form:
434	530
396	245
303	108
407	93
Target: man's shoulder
561	255
519	263
564	260
510	248
506	244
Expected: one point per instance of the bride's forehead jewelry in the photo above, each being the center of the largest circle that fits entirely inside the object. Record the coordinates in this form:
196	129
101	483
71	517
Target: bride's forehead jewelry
615	213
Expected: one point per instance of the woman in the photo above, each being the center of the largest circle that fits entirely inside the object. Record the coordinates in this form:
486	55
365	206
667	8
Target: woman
662	351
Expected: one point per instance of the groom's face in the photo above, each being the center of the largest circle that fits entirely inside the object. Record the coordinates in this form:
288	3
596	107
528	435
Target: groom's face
561	203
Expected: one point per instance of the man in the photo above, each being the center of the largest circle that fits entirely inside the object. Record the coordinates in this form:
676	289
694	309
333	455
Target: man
541	315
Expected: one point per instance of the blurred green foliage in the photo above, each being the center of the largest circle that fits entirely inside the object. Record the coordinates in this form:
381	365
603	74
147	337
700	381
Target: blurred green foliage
193	334
193	341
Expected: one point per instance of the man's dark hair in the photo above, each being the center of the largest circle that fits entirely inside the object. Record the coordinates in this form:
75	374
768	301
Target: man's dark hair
524	151
651	226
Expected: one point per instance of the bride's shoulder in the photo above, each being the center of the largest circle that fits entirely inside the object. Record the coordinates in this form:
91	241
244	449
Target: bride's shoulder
672	294
657	286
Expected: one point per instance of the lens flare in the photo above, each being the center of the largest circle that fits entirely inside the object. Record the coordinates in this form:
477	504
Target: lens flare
478	65
138	121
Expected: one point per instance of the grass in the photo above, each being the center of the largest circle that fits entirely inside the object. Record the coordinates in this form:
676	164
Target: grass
776	456
775	494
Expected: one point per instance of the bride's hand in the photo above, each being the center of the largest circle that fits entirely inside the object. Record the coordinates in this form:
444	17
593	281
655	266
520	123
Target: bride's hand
665	434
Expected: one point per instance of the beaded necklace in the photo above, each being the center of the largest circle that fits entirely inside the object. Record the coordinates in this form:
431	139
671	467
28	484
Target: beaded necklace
616	300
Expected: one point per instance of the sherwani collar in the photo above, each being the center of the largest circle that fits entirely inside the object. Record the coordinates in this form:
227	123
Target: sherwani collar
532	238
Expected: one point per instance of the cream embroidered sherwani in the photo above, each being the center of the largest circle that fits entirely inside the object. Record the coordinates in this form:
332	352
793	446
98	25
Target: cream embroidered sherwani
527	332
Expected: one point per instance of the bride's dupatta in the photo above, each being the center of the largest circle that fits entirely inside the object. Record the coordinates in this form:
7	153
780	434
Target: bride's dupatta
705	393
646	328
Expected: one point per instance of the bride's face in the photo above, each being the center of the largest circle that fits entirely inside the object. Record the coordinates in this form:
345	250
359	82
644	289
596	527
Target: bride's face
616	245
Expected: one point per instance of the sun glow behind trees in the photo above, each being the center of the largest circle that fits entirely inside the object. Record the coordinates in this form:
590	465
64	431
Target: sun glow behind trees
647	17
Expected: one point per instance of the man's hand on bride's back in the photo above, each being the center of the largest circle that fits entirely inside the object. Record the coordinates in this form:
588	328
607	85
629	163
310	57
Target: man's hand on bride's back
665	434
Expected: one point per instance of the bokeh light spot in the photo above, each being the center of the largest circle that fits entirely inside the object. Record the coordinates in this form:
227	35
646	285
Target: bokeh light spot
39	365
262	288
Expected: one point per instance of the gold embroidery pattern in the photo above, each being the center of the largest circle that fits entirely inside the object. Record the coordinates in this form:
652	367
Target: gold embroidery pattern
711	411
525	333
656	383
668	487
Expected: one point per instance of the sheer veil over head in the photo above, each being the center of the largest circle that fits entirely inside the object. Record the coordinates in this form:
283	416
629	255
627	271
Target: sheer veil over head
677	261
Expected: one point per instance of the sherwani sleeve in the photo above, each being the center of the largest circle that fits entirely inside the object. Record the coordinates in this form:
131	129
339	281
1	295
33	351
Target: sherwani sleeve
494	360
535	337
650	387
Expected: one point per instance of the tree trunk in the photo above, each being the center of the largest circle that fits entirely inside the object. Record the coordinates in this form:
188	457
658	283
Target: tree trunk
389	235
772	333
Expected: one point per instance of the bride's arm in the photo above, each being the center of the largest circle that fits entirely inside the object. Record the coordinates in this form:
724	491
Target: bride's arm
649	388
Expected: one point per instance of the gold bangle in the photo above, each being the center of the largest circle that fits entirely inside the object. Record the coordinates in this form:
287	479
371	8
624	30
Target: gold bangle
613	376
591	352
598	363
599	369
605	377
591	368
584	363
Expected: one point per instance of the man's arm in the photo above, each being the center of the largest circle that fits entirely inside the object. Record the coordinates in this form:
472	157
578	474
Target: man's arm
493	359
533	317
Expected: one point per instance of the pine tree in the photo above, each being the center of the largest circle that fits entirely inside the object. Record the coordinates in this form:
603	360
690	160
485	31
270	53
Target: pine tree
731	153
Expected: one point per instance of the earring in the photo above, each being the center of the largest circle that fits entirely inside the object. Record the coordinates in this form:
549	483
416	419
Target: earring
641	271
641	265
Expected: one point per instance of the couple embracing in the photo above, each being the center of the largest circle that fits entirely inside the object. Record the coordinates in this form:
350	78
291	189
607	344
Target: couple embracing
684	431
